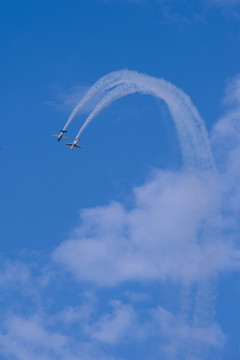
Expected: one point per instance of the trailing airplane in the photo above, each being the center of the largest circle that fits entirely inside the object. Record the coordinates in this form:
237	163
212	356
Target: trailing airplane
60	136
74	144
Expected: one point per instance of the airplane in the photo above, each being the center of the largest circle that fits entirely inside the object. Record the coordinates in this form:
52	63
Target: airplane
61	136
74	144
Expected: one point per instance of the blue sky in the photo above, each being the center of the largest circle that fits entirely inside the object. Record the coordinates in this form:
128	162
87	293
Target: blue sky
120	250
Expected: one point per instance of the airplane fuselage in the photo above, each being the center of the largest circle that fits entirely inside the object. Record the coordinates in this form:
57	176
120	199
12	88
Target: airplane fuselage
74	144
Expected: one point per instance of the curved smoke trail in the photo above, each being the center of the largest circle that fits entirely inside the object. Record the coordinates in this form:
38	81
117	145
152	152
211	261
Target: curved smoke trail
196	155
118	92
104	83
190	127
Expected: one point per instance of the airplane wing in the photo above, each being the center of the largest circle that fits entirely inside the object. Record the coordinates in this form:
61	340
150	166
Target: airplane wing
78	146
62	137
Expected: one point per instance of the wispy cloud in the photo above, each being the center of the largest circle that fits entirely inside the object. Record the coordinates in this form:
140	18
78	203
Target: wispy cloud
227	3
114	327
184	12
12	273
67	99
180	335
26	338
170	3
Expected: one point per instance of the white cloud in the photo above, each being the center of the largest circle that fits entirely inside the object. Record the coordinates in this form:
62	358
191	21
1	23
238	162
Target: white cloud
181	335
72	314
27	339
114	327
137	296
232	94
14	272
31	331
226	145
165	235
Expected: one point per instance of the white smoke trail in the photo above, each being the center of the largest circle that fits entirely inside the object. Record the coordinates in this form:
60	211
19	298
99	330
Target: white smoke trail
106	82
190	127
118	92
196	155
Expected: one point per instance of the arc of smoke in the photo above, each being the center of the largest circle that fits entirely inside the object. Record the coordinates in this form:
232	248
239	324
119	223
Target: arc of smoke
193	141
118	92
190	127
196	155
106	82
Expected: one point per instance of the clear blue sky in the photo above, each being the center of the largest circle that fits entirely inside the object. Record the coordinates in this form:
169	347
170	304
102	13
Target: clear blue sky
59	300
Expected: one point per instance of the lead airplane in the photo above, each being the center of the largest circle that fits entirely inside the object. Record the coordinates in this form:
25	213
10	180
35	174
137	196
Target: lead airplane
74	144
61	136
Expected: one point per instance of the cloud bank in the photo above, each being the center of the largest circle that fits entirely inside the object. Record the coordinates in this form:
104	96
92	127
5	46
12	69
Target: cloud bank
160	238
